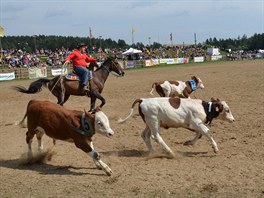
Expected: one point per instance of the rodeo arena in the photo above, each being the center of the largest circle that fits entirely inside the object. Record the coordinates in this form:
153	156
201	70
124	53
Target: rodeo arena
188	126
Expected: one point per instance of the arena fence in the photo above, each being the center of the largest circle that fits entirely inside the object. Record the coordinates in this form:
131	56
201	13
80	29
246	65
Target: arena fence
31	73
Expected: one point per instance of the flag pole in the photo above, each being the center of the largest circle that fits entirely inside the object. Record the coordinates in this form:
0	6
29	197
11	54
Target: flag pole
1	54
90	36
133	30
171	39
1	35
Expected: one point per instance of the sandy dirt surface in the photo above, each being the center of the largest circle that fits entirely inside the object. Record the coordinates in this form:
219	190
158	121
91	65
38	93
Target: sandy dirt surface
196	171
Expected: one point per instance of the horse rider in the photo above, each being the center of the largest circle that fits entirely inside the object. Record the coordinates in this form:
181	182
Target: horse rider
80	61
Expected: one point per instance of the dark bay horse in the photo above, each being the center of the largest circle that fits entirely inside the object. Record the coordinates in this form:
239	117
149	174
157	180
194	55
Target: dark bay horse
62	88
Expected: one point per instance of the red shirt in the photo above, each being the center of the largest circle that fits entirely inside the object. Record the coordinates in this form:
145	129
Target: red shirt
79	59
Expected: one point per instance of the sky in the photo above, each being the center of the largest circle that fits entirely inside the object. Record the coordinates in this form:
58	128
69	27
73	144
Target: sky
152	20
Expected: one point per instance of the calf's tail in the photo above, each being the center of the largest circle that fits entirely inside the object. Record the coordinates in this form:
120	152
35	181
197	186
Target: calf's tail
22	123
34	87
153	87
131	111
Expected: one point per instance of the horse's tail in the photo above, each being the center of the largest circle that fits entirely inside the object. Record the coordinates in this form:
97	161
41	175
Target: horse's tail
131	111
22	123
153	87
34	87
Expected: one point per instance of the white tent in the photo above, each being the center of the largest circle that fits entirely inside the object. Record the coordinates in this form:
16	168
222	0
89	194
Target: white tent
213	51
132	51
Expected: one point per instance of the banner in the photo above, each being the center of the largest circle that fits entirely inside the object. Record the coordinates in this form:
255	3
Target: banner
214	58
7	76
37	72
180	60
170	61
148	63
163	60
174	60
1	31
130	64
152	62
185	60
57	72
198	59
90	33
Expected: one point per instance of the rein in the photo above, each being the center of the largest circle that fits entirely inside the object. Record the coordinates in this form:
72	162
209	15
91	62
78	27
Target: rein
62	69
104	67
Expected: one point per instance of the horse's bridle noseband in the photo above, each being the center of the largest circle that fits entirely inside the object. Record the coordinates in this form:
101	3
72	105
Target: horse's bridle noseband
107	69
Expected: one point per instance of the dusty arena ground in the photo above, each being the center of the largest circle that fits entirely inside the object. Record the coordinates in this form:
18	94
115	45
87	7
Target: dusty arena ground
196	171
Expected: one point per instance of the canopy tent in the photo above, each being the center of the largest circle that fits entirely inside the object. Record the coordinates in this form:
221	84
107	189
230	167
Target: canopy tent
132	51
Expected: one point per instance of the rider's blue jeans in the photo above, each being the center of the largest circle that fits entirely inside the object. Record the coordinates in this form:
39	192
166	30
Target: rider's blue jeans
83	73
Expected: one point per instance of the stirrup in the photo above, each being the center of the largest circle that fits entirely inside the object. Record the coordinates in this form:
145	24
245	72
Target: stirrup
86	88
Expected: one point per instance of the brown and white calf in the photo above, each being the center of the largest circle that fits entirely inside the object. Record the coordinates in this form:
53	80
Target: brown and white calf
191	114
177	88
60	123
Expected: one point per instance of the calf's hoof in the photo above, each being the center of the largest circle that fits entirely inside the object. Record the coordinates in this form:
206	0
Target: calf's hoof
108	171
215	149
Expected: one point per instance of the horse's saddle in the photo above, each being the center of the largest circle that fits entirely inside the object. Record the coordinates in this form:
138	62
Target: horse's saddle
72	76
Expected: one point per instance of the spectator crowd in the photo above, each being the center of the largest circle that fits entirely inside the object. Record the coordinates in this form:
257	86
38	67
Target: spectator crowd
16	58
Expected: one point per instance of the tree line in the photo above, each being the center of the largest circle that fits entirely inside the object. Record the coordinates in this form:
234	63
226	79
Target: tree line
31	43
241	43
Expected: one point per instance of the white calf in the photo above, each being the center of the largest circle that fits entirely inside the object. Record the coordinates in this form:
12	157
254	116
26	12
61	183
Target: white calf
177	88
191	114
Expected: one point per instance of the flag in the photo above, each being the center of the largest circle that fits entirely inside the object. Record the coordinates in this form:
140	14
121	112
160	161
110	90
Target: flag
133	30
90	32
170	36
1	31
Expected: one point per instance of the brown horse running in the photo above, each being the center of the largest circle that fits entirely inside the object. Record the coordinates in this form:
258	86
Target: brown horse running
62	88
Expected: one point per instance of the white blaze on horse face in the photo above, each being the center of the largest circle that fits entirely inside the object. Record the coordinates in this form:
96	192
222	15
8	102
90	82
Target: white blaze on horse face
102	124
226	113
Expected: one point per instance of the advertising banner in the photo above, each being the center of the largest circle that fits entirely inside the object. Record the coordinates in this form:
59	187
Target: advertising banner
130	64
163	60
37	72
198	59
170	61
214	58
7	76
185	60
57	72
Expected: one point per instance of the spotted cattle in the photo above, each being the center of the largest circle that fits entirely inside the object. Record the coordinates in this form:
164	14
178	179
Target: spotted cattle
192	114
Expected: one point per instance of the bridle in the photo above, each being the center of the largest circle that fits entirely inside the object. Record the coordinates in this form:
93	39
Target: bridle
113	65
